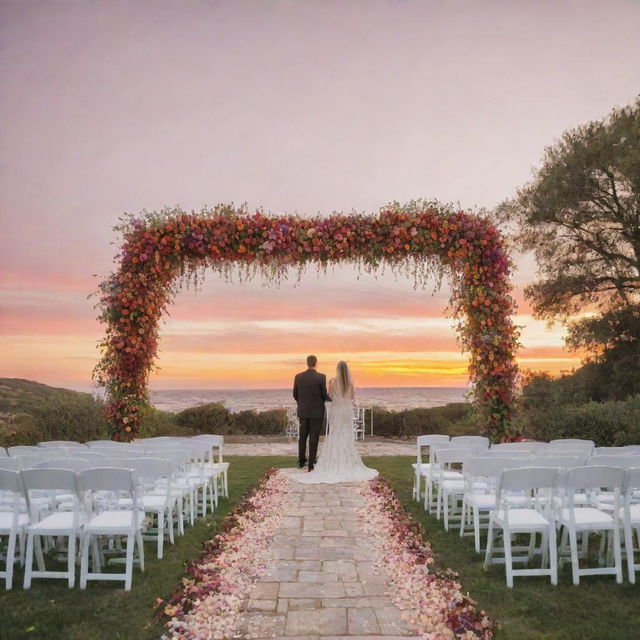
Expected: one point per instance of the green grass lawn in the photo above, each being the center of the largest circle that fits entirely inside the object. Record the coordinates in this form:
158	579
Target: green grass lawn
598	609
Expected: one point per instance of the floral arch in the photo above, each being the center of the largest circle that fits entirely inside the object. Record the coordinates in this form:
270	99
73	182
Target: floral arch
424	239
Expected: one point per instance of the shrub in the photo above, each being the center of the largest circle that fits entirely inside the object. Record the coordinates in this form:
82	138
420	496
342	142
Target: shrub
213	417
154	422
264	423
63	415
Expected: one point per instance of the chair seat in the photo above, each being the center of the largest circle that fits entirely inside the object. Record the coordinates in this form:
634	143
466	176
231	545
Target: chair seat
481	500
58	522
113	521
525	518
586	517
6	521
441	476
150	502
459	486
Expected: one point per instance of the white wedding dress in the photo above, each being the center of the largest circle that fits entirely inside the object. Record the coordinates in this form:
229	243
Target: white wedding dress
339	460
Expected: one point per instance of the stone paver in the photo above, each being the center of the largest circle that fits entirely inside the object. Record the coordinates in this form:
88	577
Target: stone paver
320	582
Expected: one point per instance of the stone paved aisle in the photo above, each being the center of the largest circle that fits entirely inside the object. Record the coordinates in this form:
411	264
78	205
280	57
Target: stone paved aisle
321	581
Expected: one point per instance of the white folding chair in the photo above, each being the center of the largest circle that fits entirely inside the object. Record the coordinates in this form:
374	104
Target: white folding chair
449	483
532	515
216	462
422	469
631	518
481	475
154	476
584	518
111	521
470	441
56	523
13	522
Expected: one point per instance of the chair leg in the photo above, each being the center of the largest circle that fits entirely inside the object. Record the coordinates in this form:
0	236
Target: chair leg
95	552
575	567
617	554
21	545
71	560
508	559
39	554
628	546
11	554
170	523
160	533
489	552
553	555
225	482
28	567
476	528
84	559
446	500
140	549
128	576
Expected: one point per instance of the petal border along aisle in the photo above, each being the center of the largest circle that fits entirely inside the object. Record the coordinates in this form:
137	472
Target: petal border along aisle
438	607
207	604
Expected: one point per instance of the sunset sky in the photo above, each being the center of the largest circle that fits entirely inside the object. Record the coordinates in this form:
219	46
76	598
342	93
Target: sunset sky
294	106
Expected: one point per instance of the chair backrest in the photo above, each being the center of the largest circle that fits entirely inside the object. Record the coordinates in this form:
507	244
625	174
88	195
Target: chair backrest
454	455
580	454
632	448
631	482
3	453
594	477
97	444
427	441
17	450
107	479
557	461
49	479
11	464
74	464
488	466
61	443
213	441
11	480
620	461
576	444
149	469
610	451
528	479
88	454
482	441
26	462
507	453
518	446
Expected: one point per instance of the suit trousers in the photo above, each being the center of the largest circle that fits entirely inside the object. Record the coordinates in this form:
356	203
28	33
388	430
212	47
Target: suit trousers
309	428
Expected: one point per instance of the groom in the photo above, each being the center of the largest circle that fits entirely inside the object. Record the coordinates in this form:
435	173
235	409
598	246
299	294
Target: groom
310	392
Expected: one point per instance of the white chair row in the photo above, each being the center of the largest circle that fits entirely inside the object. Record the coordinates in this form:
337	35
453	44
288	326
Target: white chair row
548	499
93	509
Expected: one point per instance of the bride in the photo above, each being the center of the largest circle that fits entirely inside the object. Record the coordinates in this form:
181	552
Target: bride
339	461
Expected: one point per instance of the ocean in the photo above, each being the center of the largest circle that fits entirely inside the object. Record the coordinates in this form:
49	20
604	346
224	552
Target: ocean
395	398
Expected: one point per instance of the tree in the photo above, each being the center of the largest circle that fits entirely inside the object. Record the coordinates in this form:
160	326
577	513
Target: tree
581	217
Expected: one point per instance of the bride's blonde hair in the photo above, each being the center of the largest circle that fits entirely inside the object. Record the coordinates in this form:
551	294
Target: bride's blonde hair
343	382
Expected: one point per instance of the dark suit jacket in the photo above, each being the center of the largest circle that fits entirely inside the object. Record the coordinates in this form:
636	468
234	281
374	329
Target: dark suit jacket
310	392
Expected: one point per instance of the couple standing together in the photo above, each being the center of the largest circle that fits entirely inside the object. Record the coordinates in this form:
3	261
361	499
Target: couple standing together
339	460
